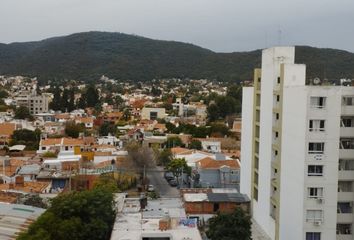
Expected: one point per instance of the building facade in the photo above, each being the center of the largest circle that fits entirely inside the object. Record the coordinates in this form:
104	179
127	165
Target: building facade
35	103
297	152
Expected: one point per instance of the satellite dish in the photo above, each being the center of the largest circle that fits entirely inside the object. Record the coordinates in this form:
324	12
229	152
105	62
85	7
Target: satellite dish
316	81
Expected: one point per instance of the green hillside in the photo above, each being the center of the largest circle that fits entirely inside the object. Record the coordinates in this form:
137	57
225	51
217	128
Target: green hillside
87	56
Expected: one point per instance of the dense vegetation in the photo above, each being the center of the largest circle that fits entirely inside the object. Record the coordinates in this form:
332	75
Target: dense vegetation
88	56
76	215
227	226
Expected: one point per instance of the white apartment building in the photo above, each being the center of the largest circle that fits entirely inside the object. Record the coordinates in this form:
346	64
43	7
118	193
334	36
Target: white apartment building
297	152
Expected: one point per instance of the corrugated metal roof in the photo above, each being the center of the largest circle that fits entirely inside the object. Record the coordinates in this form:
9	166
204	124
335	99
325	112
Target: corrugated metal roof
227	197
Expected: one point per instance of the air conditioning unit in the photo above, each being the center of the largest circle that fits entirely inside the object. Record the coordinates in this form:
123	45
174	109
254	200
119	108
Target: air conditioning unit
317	223
320	200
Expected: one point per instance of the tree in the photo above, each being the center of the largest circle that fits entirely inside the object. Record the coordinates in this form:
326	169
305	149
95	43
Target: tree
140	156
235	91
26	137
126	114
76	215
165	157
3	94
177	166
174	142
92	97
64	102
213	112
219	130
107	128
195	144
230	226
73	130
71	102
106	181
55	104
23	113
35	200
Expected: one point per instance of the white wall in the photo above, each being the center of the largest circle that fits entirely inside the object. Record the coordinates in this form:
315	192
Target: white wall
246	140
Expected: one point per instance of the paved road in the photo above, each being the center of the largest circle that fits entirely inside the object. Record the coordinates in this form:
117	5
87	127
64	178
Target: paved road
157	179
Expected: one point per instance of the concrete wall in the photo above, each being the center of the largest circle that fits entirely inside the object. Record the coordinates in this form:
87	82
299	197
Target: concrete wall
246	140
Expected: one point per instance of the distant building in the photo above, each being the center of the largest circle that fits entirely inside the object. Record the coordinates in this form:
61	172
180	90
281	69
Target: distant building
218	173
210	144
35	103
153	113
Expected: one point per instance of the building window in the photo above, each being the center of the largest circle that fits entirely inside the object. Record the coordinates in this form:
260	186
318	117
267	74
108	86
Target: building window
277	116
315	192
347	122
315	170
316	148
314	215
344	229
278	80
153	115
345	207
348	101
318	102
313	236
278	98
346	143
345	186
317	125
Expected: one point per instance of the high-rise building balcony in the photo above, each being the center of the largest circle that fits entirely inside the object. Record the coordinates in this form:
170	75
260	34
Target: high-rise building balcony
347	110
344	237
345	217
346	169
346	131
346	153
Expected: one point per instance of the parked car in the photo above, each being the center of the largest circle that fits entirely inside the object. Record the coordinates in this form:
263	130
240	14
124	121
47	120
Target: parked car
173	183
151	188
169	176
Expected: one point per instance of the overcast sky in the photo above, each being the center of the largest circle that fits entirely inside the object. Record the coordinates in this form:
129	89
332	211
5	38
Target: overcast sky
220	25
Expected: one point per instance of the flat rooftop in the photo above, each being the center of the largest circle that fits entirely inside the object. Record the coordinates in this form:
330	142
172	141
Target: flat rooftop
133	224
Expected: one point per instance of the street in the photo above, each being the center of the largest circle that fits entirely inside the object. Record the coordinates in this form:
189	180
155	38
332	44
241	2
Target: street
157	179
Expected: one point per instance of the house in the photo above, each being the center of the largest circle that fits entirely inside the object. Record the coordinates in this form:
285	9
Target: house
59	144
87	121
112	117
54	128
211	172
153	113
204	205
153	219
109	140
210	144
29	172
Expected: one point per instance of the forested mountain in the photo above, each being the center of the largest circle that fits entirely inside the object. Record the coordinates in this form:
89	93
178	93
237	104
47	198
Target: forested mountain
88	55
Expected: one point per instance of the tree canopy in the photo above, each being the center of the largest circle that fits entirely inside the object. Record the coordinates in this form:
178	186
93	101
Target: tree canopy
77	215
26	137
230	226
23	113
